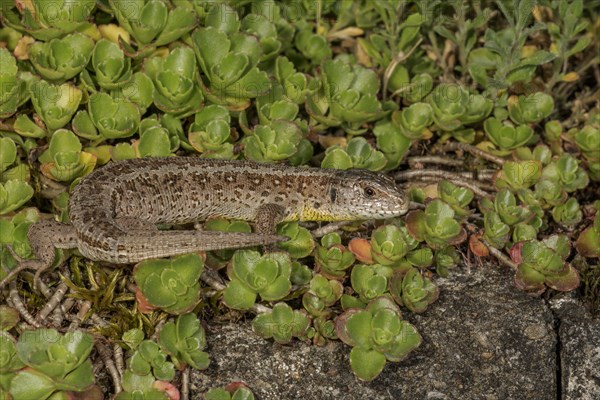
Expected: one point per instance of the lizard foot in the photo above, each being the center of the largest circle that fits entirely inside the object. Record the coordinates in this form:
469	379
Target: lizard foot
34	265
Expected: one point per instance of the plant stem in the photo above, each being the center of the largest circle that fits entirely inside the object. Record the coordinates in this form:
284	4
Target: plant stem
477	152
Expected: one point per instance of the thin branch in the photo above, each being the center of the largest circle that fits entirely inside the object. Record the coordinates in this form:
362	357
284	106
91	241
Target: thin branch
477	152
119	359
462	183
400	57
84	308
332	227
435	160
20	306
503	258
59	313
435	175
106	356
52	302
185	384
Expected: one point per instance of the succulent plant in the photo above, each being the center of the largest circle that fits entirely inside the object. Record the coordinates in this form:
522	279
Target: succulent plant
55	363
358	153
588	141
506	136
436	225
300	243
588	242
391	142
413	290
175	82
149	359
251	275
64	160
14	189
10	364
113	118
323	330
61	59
567	172
140	387
347	97
14	84
55	104
154	140
184	341
322	293
445	259
49	19
210	133
505	204
370	281
496	232
390	244
229	61
457	197
112	67
295	85
530	109
282	323
542	264
332	258
151	22
234	391
275	142
516	175
313	47
139	91
377	334
569	213
453	106
413	120
265	30
170	284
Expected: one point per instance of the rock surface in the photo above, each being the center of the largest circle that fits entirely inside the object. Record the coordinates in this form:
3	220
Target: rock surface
482	339
579	350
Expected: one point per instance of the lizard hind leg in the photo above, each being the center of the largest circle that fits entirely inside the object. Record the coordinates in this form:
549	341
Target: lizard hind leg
267	218
44	237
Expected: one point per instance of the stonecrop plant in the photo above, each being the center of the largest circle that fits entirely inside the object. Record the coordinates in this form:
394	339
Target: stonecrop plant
485	112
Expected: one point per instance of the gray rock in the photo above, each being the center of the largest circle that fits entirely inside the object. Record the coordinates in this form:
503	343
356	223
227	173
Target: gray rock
482	339
579	346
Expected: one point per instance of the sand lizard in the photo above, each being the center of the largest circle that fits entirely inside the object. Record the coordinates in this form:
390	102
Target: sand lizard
114	211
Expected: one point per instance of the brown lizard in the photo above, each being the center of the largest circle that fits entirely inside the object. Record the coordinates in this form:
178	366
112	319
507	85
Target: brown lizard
115	209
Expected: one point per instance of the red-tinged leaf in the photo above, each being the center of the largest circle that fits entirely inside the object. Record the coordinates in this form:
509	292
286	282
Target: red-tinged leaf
361	248
458	239
530	280
91	393
415	223
143	304
588	243
233	386
167	387
515	253
477	247
566	282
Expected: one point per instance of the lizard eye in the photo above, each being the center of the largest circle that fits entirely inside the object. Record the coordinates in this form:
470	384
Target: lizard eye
369	192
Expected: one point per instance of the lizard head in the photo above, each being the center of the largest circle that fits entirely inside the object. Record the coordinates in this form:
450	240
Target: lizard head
361	194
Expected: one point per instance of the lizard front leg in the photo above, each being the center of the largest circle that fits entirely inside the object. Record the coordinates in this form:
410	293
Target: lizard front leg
44	236
267	218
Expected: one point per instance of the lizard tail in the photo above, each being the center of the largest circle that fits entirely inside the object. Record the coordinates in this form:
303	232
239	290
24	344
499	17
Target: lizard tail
135	247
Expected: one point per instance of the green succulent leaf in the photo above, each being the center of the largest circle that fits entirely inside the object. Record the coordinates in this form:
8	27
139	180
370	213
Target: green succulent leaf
171	284
282	323
61	59
55	104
